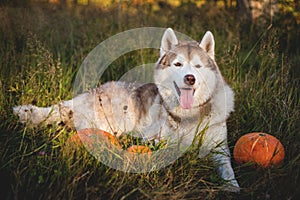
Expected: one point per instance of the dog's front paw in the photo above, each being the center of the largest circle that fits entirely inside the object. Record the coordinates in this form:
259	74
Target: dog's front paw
231	186
23	112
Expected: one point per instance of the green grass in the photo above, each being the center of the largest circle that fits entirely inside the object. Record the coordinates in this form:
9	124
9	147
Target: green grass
41	49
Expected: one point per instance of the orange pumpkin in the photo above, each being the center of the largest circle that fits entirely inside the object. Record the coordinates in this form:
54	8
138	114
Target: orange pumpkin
259	148
85	136
139	149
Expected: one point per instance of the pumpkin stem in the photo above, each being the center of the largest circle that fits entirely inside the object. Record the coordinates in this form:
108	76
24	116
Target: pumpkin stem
262	134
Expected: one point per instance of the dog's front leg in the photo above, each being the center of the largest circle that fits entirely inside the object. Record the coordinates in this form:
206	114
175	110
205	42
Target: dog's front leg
221	158
215	142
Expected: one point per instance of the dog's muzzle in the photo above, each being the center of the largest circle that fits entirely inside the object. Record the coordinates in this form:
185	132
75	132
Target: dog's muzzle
189	79
186	96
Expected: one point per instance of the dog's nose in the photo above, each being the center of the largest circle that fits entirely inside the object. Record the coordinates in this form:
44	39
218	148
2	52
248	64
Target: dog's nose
189	79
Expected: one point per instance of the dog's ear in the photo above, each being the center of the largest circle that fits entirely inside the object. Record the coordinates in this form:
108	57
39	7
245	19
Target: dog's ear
169	39
208	44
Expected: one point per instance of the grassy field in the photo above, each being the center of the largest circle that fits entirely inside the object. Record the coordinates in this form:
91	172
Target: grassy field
41	48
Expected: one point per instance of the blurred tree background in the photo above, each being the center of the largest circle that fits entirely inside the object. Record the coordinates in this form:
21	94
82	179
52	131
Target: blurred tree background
245	20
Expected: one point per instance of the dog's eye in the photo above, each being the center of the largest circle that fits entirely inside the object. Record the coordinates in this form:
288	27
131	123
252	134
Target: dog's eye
198	66
178	64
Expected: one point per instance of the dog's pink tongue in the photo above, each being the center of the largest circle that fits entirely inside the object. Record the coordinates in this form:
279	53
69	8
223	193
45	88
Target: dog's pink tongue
186	98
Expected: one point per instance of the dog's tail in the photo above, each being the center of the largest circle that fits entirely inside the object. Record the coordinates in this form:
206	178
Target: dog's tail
59	113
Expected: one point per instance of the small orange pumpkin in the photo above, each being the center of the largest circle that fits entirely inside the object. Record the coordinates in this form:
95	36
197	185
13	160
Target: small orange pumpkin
259	148
139	149
85	136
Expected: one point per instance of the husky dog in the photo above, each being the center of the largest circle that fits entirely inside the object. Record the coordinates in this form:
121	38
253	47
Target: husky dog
189	90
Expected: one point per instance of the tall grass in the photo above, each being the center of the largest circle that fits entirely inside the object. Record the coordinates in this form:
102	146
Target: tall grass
39	61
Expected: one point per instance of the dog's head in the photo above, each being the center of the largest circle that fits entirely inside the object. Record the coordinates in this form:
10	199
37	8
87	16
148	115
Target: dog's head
186	70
